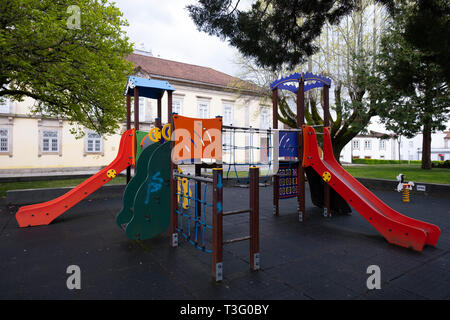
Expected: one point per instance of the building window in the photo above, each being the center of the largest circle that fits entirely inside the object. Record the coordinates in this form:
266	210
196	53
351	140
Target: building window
382	144
367	145
265	118
227	114
203	109
177	105
50	142
4	140
5	106
141	110
94	142
356	144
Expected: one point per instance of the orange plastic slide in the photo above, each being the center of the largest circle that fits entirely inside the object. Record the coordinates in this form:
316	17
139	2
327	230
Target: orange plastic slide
394	226
44	213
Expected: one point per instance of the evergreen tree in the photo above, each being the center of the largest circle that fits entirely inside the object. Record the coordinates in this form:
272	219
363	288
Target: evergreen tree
412	90
273	32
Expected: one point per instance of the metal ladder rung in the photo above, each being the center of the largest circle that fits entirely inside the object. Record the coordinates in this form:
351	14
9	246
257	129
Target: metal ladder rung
236	240
228	213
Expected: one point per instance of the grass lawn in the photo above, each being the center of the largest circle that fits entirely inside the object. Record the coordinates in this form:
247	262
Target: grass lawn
49	184
412	172
381	171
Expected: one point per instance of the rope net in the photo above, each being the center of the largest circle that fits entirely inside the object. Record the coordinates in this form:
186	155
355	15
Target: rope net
246	147
194	220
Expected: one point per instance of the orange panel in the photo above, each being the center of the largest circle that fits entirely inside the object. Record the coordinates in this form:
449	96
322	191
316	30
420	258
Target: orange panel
197	139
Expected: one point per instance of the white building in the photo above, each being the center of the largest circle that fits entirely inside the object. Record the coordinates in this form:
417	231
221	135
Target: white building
34	143
371	146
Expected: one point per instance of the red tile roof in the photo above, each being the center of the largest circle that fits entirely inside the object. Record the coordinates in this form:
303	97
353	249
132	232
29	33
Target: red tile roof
184	71
375	134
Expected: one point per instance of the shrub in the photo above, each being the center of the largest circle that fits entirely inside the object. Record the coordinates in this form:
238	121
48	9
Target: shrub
441	164
435	164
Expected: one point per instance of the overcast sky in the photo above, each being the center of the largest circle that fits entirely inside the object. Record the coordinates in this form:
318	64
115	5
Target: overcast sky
165	28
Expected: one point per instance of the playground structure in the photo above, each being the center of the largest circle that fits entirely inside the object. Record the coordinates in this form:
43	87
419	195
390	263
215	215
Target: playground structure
395	227
160	196
291	145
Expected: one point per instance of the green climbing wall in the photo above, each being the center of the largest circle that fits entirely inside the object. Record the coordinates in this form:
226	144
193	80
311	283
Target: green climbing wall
125	215
151	206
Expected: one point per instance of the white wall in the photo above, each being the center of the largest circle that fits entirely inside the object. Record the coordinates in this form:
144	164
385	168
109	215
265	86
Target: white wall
410	149
24	130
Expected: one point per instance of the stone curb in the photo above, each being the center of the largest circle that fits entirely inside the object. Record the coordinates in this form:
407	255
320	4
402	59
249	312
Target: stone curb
30	196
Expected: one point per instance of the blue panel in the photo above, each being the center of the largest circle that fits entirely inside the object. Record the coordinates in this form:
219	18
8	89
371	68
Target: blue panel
288	180
287	144
311	81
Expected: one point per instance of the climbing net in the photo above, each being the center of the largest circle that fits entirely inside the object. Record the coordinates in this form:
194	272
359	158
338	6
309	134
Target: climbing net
192	211
244	147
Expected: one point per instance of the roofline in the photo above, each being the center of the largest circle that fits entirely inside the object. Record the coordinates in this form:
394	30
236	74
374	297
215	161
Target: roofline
189	64
375	136
223	88
248	91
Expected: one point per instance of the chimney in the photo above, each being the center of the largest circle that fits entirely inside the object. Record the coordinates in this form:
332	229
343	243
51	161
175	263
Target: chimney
143	51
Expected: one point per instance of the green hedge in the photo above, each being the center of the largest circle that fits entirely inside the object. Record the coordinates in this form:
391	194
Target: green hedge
382	161
441	164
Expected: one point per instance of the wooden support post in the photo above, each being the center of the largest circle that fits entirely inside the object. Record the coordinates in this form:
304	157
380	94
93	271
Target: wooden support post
173	181
136	116
158	120
128	128
173	209
326	123
169	106
275	176
136	108
301	170
254	219
217	225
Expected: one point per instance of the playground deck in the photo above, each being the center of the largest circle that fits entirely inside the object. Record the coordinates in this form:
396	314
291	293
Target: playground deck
317	259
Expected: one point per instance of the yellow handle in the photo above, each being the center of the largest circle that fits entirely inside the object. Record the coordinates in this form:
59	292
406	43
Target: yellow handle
167	131
155	134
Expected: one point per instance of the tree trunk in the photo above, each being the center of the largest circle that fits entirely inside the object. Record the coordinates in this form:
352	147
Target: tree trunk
426	145
339	145
337	152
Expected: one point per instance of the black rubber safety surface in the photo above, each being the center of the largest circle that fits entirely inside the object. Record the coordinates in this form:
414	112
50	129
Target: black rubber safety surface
318	259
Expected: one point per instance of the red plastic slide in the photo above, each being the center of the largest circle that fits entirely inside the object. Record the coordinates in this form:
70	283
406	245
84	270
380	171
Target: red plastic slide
395	227
44	213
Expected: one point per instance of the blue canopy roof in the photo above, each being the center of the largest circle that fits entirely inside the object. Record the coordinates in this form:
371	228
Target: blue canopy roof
148	88
311	81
